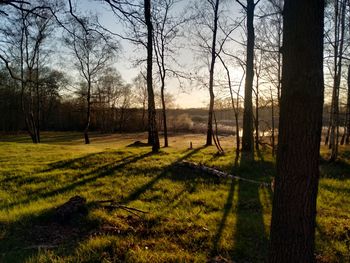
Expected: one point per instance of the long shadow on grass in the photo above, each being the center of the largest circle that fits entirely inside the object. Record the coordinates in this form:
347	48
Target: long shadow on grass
51	138
337	170
165	171
100	172
250	237
27	237
190	179
81	163
227	209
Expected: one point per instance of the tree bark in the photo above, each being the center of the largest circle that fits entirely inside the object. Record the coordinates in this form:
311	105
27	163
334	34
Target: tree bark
247	138
296	183
153	137
211	76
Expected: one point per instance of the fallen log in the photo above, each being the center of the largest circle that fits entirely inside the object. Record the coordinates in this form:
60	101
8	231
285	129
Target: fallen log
217	173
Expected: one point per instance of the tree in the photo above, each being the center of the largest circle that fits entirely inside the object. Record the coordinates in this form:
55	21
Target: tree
152	124
137	16
269	41
247	138
338	51
211	31
296	184
107	94
25	34
125	103
51	82
235	104
347	135
140	87
92	51
165	33
215	7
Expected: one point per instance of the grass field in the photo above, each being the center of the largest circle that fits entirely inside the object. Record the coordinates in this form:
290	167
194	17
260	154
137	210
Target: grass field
191	217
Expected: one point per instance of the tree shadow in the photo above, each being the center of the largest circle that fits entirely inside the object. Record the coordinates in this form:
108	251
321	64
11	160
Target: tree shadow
335	189
164	172
81	163
82	179
32	231
250	236
339	169
25	238
86	161
222	224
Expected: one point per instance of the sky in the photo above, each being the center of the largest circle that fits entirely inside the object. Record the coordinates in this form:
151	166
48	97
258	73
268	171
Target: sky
191	94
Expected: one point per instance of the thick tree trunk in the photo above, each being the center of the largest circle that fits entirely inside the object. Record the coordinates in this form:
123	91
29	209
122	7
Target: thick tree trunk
294	203
247	138
153	137
211	76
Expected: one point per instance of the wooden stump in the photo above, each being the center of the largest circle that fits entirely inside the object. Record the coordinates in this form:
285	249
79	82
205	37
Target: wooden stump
74	206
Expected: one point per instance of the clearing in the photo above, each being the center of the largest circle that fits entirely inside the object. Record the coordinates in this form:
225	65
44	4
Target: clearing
190	217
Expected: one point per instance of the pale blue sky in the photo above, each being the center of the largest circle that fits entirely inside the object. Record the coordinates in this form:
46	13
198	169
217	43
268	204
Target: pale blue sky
194	95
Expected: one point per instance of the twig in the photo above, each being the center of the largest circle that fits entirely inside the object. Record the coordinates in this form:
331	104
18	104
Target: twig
114	205
125	208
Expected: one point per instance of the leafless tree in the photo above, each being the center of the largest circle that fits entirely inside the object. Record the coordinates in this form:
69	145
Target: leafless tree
137	16
140	87
106	95
247	138
235	104
212	30
24	35
347	122
166	32
93	51
332	137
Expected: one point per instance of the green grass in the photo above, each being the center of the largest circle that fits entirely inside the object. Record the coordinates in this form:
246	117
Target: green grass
191	217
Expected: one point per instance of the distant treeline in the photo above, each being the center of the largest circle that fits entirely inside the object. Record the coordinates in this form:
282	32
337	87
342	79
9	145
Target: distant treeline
125	111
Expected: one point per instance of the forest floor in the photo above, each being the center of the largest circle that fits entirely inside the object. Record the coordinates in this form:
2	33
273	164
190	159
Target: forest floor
191	217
